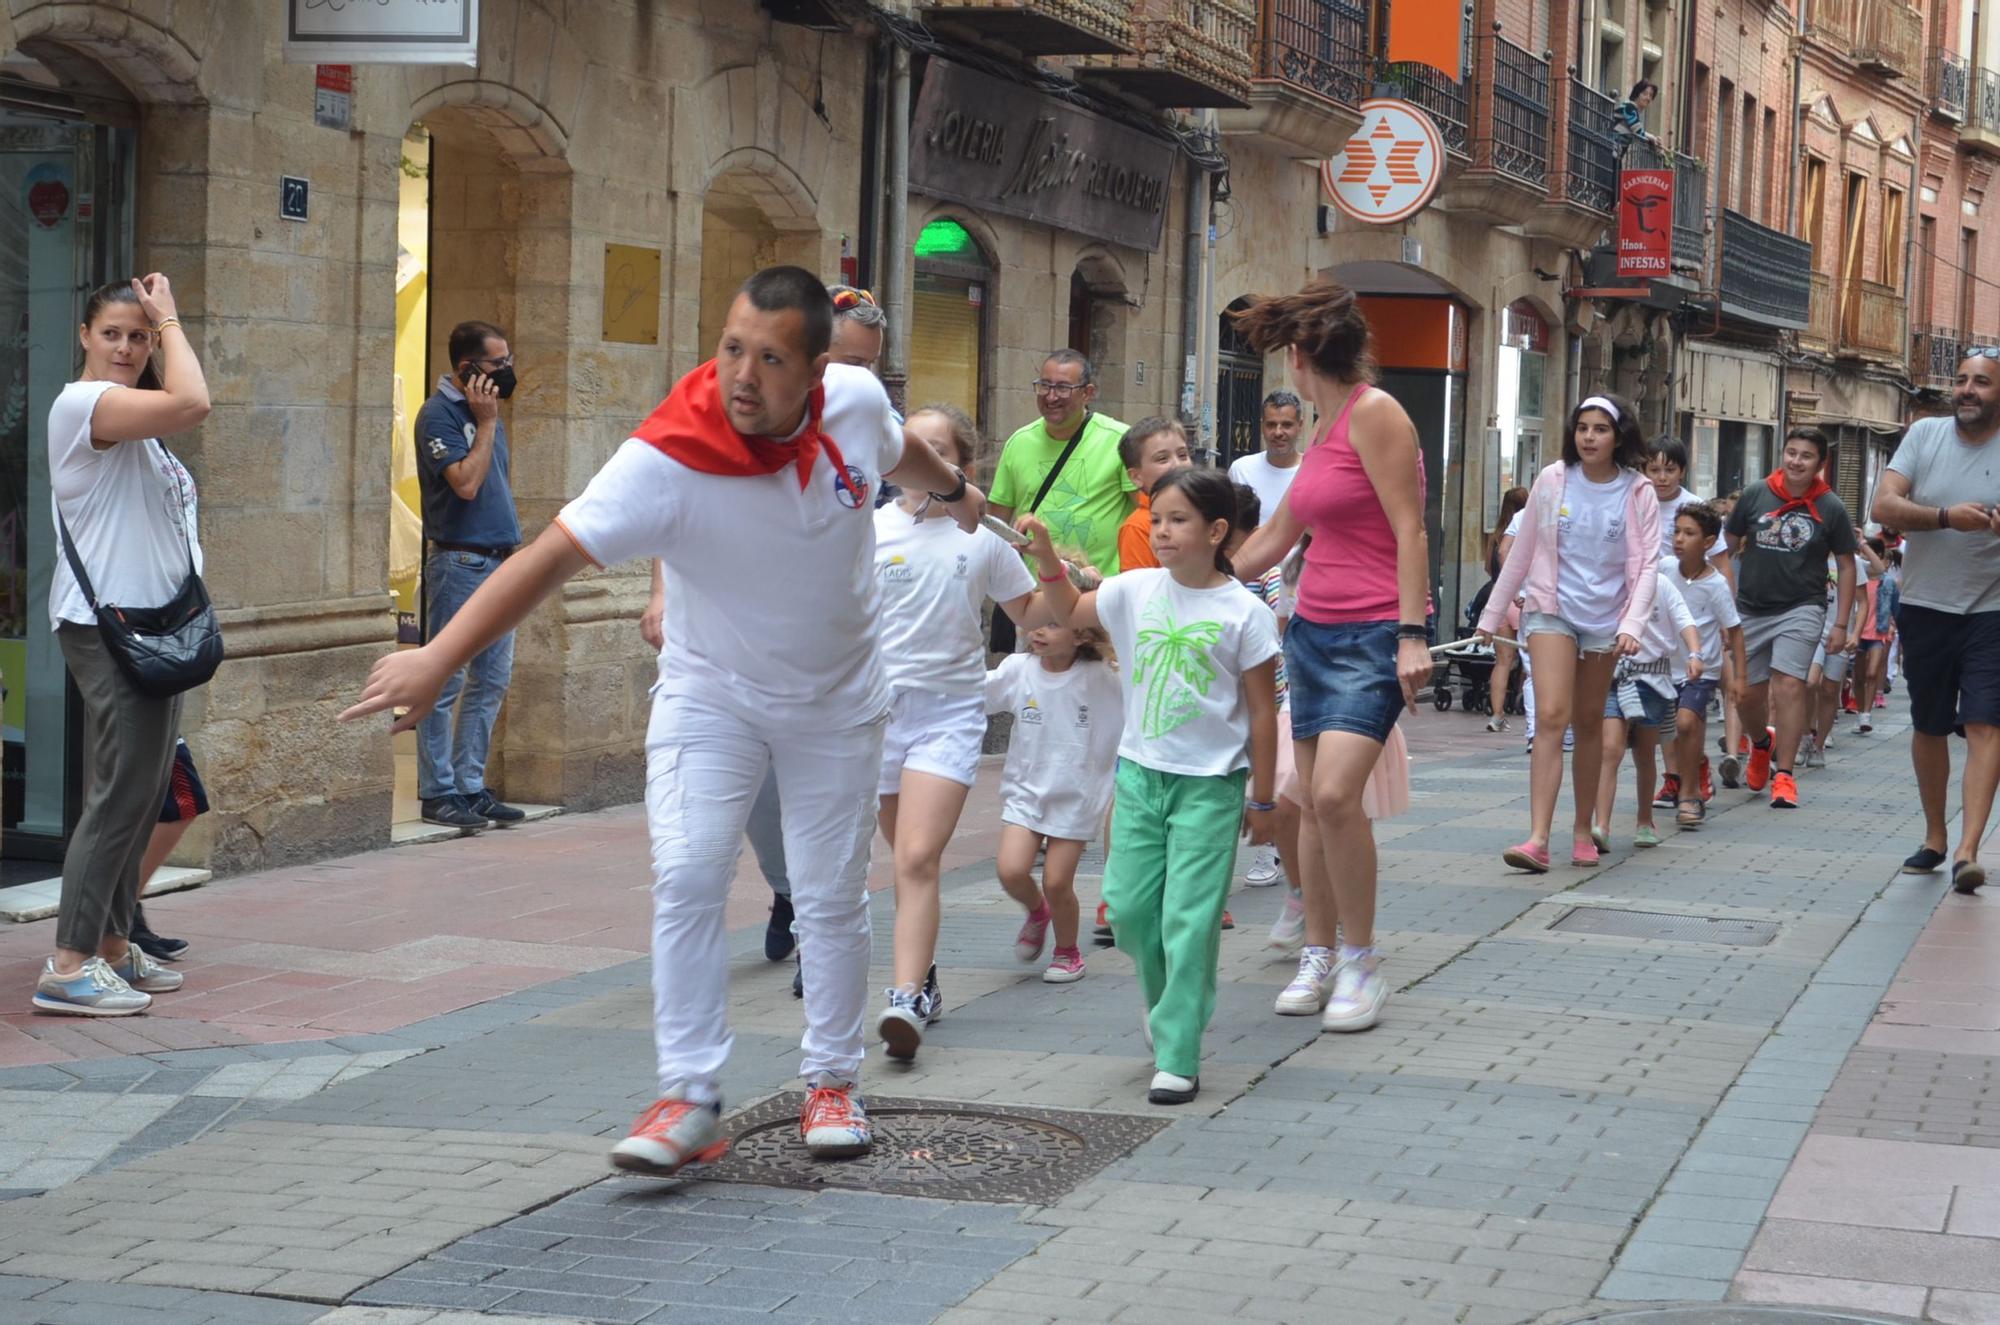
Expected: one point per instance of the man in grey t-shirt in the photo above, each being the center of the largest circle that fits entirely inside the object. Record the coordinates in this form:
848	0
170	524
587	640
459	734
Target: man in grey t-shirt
1942	489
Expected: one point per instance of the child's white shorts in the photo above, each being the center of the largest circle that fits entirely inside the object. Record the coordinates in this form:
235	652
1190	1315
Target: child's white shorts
936	734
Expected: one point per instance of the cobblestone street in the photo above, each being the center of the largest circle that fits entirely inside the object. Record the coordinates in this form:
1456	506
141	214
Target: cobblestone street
387	1094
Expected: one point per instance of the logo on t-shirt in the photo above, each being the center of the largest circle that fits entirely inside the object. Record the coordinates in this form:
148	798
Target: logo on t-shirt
1031	713
853	493
437	448
1083	717
1174	667
961	570
896	570
470	431
1785	533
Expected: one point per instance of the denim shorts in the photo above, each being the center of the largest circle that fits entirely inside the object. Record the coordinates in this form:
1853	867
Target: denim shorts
1633	701
1548	623
1694	696
1342	678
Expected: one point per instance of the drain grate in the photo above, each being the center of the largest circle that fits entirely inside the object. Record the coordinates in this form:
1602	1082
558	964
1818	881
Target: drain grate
1612	922
953	1152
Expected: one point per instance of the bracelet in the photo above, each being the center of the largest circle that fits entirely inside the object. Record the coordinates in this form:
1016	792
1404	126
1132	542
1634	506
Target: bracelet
957	494
1062	573
1944	517
169	322
1262	807
1413	632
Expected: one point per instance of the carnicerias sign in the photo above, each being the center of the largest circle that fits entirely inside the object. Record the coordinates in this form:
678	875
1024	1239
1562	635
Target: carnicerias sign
1000	147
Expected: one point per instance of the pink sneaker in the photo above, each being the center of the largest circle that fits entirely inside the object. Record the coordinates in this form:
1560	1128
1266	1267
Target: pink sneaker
1065	967
1583	853
1034	934
1528	856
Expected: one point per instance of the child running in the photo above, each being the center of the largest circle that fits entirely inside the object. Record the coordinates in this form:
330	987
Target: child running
1640	703
933	578
1587	561
1199	660
1687	790
1056	787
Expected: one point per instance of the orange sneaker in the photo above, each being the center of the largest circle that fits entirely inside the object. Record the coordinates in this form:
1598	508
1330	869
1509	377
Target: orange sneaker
671	1135
834	1124
1784	792
1758	772
1707	783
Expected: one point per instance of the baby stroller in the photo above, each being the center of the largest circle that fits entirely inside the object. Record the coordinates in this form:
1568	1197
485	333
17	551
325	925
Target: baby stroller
1472	664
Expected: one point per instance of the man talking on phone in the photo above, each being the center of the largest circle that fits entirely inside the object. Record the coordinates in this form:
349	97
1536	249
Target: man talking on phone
470	528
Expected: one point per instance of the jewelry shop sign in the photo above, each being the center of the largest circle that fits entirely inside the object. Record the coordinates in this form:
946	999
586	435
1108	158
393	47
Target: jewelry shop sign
1001	147
382	32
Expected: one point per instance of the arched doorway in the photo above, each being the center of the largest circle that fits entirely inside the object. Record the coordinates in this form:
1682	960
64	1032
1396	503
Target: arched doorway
1239	391
753	216
68	151
948	319
1099	301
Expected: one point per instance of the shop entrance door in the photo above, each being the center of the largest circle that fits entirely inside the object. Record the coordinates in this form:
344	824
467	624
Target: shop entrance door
65	227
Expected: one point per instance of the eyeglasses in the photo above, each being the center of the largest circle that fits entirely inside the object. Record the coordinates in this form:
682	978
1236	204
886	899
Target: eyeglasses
850	296
504	361
1983	352
1056	390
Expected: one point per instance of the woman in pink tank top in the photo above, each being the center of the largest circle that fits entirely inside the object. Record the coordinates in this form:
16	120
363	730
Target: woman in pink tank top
1356	649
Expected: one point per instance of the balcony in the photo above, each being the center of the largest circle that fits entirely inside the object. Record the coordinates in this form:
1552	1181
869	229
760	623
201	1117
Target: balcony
1313	68
1762	274
1831	23
1690	260
1934	356
1818	331
1872	322
1579	207
1186	53
1947	83
1446	100
1046	27
1982	113
1889	39
1508	135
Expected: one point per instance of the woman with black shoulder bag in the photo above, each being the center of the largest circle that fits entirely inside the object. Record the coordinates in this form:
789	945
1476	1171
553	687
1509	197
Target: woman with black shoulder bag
133	622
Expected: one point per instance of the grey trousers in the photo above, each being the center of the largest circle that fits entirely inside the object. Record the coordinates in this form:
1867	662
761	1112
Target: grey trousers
766	830
128	759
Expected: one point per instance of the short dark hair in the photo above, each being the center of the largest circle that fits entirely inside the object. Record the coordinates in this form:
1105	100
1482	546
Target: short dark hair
1641	86
468	341
1706	517
1670	449
1145	430
1077	357
1249	509
779	289
1630	450
1812	435
1282	399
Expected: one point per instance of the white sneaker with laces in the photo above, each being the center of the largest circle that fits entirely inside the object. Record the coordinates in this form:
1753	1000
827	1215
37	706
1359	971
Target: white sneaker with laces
671	1135
901	1024
1359	992
1306	994
1263	871
833	1122
1288	931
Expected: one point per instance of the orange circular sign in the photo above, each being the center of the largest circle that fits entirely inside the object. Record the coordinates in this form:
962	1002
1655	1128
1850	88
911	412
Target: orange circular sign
1390	168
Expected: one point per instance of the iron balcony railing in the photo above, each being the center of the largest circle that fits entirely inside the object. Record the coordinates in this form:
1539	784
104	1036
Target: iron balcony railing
1319	45
1948	85
1764	273
1690	203
1520	143
1593	148
1982	109
1934	356
1446	100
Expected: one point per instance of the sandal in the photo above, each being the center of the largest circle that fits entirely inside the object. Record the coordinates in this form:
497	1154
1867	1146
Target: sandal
1691	814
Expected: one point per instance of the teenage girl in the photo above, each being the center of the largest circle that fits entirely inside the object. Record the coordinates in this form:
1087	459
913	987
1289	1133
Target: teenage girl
1056	787
933	578
1586	563
1199	658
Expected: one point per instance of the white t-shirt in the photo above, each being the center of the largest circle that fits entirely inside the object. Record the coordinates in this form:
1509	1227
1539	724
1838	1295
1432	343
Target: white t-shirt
1182	654
933	577
1270	482
1713	607
1662	636
130	508
1062	755
1590	570
770	589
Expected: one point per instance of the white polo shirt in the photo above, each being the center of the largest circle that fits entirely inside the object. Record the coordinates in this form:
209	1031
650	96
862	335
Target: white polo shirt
770	591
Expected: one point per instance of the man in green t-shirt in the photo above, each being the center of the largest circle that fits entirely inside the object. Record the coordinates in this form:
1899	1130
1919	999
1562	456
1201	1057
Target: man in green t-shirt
1093	494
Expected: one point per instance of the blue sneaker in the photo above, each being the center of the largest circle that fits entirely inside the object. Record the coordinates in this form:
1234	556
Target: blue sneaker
140	971
94	991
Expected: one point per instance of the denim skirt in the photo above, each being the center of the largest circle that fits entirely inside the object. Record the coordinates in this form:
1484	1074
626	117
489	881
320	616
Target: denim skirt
1342	678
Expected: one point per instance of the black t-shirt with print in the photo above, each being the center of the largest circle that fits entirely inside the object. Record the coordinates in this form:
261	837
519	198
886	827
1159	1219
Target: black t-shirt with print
1781	563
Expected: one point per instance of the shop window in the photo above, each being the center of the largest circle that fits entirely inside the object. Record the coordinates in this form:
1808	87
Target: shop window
1522	380
948	319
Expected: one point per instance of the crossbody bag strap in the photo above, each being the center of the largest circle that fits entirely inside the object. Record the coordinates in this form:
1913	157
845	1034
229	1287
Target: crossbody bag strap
1055	470
75	564
187	520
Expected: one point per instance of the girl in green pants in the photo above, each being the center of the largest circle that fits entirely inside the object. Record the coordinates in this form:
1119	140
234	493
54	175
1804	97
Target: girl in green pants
1198	662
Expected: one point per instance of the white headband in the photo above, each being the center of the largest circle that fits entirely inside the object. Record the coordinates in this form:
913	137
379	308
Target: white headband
1599	402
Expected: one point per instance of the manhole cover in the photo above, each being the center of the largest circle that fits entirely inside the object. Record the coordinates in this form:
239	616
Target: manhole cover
1611	922
954	1152
1733	1314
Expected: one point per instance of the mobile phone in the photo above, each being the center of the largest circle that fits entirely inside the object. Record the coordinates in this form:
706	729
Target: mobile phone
1006	532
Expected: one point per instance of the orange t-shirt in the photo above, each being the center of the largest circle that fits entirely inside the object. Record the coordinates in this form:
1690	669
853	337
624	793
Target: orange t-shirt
1135	536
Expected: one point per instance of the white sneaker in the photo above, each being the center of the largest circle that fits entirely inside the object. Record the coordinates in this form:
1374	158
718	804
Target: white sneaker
1359	991
1288	931
833	1123
901	1025
1263	870
1306	994
669	1136
1862	727
142	973
1170	1089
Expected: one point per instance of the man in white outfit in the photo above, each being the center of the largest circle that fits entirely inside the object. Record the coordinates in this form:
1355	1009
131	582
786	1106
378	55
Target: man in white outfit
754	485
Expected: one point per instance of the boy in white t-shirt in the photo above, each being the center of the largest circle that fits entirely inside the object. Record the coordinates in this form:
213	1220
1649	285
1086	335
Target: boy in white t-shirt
765	459
1712	604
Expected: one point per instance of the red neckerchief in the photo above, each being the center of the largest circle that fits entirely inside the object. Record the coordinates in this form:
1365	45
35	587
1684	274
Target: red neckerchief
1819	489
692	427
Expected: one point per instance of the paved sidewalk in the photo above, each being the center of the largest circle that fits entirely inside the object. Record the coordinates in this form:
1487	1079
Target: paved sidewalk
393	1105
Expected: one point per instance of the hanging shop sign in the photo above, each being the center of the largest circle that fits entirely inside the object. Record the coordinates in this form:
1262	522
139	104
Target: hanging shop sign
382	31
1390	168
1001	147
1645	222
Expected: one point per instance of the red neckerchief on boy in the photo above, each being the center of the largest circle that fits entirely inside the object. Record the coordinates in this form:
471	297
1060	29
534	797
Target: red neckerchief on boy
692	427
1810	501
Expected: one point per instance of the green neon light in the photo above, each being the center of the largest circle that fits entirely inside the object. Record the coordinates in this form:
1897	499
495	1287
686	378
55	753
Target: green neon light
946	238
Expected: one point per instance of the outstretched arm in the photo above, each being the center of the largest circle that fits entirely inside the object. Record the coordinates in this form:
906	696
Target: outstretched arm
1076	610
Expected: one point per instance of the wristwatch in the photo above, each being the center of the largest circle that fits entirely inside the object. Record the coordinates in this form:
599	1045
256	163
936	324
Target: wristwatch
957	493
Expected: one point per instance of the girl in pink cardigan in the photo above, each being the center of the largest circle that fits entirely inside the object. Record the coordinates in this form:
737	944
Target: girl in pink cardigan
1585	563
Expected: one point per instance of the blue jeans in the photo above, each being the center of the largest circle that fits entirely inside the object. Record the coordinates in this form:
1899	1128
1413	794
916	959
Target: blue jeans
454	762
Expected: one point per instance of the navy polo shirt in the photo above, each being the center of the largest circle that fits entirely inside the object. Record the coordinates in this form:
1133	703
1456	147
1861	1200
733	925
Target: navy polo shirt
444	433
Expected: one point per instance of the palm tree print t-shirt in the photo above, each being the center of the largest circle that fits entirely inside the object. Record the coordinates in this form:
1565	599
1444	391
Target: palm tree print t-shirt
1182	653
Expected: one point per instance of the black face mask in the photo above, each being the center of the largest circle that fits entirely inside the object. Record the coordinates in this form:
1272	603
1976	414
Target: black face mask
502	379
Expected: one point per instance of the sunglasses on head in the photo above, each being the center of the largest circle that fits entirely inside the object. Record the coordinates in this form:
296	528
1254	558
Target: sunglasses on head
851	297
1983	352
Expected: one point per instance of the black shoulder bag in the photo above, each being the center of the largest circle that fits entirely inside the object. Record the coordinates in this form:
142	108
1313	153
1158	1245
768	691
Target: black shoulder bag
1002	635
162	650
